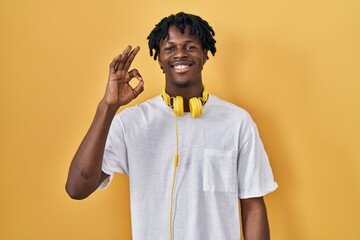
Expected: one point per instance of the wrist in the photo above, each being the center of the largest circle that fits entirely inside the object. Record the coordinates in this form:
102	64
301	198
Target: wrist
107	109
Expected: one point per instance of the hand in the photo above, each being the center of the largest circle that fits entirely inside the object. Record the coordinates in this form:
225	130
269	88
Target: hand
118	91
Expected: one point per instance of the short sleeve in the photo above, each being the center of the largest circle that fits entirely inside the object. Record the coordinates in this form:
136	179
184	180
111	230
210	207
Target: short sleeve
255	177
115	153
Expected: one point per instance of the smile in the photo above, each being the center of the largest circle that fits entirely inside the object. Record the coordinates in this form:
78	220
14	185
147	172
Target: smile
180	67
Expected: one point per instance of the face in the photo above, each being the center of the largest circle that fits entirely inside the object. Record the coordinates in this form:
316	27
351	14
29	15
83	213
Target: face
182	58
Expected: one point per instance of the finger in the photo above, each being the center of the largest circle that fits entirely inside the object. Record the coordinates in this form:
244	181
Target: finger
138	89
134	73
112	66
131	57
123	58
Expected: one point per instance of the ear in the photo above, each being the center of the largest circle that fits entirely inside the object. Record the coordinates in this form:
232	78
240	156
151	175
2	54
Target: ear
160	63
205	54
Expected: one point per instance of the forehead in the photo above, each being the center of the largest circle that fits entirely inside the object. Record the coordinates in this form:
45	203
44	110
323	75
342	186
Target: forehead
175	35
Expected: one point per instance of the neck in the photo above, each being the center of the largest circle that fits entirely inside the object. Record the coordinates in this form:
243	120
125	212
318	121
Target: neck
186	92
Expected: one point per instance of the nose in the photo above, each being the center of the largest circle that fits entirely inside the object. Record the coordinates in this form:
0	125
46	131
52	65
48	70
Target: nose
180	53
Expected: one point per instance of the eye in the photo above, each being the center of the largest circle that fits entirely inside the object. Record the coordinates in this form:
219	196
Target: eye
168	49
189	47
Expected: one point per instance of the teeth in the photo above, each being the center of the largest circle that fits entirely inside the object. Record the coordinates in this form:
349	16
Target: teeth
180	66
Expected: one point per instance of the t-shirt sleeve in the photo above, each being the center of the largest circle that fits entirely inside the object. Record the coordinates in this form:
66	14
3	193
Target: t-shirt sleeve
255	177
115	154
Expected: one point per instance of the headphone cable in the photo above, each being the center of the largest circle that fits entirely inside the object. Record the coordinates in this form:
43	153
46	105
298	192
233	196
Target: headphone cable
176	161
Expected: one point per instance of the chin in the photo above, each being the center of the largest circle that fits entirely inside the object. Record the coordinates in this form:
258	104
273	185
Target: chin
181	82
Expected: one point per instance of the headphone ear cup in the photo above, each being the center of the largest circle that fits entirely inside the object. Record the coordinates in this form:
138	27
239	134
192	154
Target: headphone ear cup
178	106
195	107
177	103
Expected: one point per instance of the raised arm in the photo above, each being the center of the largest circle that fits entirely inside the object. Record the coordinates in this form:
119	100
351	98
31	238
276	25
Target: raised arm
85	173
254	219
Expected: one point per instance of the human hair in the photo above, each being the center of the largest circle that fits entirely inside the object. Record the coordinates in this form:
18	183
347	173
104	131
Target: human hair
199	27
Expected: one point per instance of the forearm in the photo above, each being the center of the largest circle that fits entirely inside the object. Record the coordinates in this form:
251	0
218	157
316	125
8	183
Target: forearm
85	173
254	220
85	169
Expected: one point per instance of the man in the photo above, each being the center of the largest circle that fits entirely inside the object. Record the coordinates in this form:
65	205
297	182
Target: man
219	157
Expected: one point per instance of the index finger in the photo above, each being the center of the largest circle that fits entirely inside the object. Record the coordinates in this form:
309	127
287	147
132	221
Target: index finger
114	63
131	57
123	58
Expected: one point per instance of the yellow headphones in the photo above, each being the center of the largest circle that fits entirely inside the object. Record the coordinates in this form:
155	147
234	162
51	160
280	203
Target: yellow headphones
177	103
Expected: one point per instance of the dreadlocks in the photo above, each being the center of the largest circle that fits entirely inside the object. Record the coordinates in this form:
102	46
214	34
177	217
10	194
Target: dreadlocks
199	28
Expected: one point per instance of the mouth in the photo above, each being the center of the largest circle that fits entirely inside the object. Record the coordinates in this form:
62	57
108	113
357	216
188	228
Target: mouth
181	67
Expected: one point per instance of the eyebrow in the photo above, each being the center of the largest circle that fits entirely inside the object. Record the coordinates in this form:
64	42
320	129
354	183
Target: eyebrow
171	42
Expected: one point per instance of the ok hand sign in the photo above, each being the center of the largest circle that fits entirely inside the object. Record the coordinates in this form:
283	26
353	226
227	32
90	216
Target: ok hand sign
118	91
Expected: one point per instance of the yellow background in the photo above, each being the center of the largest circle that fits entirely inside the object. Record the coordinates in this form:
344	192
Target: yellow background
294	65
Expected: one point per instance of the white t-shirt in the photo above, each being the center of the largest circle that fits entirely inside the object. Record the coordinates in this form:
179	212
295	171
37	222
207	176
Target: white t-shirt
221	159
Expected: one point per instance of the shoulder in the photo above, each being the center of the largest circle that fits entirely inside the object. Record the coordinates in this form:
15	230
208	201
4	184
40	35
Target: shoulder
230	116
141	110
227	109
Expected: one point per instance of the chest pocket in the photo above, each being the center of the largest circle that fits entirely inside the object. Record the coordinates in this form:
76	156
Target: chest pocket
219	170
